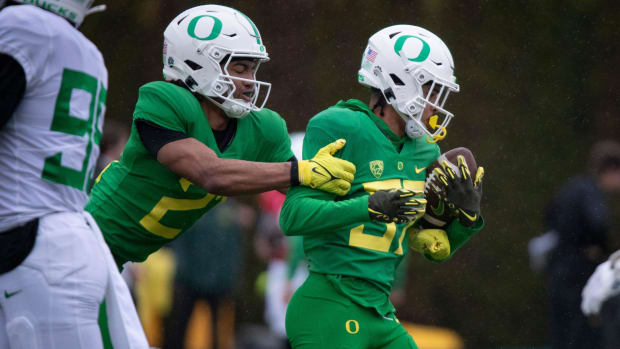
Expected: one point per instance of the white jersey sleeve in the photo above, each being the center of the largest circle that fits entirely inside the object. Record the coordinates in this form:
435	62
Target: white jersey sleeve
49	146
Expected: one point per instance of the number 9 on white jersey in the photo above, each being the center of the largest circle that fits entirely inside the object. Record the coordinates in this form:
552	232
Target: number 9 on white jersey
49	147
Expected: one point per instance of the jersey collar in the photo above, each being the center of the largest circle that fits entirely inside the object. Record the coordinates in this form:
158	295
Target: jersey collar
358	105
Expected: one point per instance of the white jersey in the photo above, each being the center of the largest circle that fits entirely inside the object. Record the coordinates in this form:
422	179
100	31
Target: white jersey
49	146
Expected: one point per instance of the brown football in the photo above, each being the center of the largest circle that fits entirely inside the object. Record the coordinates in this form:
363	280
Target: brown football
436	214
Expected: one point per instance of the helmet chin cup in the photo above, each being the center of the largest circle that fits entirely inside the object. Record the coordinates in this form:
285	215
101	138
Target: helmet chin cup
233	108
236	110
411	112
414	129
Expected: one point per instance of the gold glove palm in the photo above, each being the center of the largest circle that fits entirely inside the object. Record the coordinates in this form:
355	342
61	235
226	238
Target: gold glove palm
432	242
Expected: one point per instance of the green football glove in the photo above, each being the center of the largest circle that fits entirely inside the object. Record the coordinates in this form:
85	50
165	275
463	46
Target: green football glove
461	194
432	242
324	171
396	205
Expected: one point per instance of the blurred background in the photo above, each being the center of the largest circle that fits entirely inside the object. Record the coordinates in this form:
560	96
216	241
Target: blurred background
538	87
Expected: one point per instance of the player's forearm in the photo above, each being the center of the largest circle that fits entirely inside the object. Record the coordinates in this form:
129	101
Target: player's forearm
237	177
306	215
457	235
194	161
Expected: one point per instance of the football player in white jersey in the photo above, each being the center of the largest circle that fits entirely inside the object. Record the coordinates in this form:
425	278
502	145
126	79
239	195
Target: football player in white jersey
55	269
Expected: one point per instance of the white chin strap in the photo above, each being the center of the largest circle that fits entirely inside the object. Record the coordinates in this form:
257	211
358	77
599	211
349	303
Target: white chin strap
236	110
414	130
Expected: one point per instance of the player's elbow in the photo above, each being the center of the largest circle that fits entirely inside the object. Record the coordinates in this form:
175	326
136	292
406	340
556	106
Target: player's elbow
203	172
288	220
194	161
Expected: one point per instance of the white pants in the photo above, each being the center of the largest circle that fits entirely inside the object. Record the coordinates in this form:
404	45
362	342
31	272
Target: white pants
52	299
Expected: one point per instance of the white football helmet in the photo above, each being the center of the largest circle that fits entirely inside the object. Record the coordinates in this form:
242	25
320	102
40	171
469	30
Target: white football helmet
198	46
73	10
398	61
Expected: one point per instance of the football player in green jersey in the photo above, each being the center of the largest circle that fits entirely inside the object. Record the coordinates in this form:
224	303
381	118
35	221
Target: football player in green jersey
200	135
352	252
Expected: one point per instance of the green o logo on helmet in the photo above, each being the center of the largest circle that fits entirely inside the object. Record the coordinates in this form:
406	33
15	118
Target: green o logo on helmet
426	49
215	31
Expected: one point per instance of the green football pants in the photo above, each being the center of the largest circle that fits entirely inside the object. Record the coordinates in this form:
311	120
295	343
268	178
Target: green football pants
320	317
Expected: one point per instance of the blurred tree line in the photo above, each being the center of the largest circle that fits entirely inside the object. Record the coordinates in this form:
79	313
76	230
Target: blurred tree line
538	86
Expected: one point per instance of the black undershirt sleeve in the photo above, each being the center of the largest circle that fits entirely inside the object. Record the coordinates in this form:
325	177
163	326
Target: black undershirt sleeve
12	87
154	136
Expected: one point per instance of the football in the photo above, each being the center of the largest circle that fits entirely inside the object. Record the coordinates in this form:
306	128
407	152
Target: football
436	212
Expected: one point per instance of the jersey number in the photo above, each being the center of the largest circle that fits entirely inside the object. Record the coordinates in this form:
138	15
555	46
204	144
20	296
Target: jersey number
76	86
151	222
358	238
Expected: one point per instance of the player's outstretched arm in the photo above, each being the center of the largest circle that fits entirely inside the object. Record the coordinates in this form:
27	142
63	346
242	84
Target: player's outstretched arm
191	159
307	212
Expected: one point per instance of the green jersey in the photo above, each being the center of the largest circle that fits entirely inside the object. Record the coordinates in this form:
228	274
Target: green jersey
140	204
359	255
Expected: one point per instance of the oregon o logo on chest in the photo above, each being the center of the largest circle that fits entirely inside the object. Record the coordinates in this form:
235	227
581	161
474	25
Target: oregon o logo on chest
376	168
352	326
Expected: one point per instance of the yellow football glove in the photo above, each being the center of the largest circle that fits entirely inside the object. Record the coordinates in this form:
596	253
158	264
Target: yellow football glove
432	242
326	172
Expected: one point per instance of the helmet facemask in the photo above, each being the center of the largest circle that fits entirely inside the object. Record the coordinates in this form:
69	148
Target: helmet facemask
436	96
398	94
223	88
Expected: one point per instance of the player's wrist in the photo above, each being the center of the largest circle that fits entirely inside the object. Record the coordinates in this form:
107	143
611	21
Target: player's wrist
295	181
468	218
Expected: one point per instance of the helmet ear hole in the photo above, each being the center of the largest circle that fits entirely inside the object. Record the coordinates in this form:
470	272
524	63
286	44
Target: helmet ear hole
193	65
389	94
397	81
191	83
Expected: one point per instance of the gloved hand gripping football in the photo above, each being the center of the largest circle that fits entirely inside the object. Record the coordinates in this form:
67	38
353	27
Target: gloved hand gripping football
326	172
461	194
396	205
